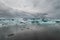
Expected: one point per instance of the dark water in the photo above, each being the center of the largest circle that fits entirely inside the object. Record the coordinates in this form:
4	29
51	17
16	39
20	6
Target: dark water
30	32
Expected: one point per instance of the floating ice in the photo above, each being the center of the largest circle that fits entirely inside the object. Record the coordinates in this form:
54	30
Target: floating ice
20	21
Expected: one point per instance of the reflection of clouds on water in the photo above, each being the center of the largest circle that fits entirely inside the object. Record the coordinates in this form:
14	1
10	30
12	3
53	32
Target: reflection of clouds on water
29	31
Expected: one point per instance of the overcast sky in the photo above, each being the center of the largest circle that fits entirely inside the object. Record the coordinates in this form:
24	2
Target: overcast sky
30	5
51	7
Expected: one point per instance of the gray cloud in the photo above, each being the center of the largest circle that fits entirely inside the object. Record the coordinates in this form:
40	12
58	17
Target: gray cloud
51	7
8	12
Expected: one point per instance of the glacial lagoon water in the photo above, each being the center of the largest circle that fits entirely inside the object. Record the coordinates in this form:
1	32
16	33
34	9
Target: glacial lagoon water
30	31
